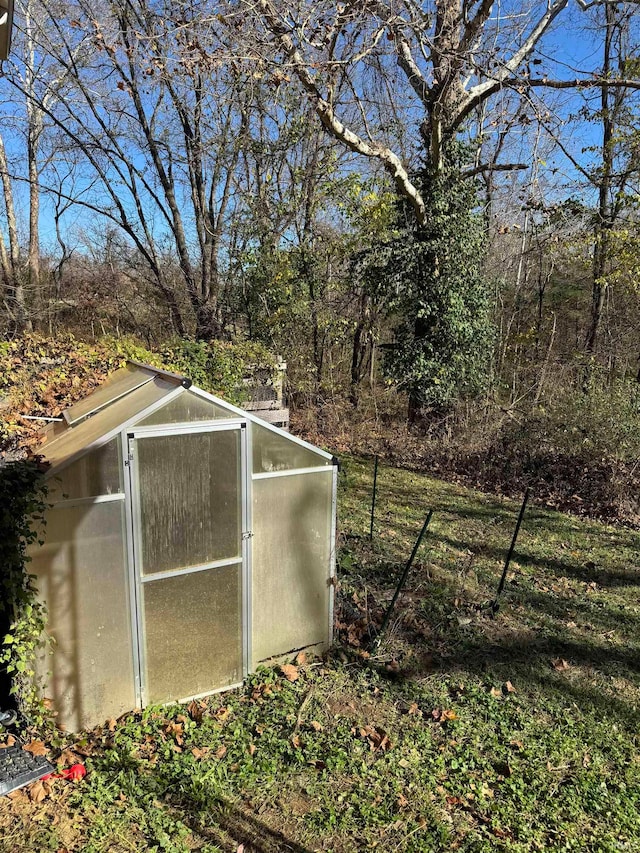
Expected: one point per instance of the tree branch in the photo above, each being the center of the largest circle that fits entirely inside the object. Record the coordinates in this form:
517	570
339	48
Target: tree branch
494	167
391	162
584	83
478	94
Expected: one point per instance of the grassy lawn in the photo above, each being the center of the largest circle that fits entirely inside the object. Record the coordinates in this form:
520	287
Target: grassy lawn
462	732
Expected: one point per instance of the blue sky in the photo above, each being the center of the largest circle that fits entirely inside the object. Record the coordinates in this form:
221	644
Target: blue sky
569	46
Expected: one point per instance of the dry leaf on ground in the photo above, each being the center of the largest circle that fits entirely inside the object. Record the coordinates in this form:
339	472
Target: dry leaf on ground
377	738
290	671
442	715
35	747
39	791
195	711
199	752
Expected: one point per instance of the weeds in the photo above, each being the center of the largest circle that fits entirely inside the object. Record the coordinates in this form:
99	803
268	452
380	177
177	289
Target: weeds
518	733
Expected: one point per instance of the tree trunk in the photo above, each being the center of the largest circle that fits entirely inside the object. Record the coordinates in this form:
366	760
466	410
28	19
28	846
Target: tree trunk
33	261
359	349
208	325
604	221
15	288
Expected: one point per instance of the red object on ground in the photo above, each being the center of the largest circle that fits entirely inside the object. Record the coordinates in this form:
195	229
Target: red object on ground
75	772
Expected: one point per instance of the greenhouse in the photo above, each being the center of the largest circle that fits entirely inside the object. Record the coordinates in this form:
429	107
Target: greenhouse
186	542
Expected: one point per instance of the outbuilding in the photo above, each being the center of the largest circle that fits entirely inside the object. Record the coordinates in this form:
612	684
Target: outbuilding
186	542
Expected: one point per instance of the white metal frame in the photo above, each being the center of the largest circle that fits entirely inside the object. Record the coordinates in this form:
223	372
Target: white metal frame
333	546
98	499
249	416
238	418
134	529
290	472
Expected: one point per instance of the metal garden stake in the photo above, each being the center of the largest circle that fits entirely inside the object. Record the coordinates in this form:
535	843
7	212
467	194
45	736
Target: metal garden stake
493	607
403	579
373	496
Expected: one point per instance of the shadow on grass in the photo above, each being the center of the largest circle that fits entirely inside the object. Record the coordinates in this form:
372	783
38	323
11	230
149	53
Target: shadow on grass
513	647
593	613
445	498
231	828
529	664
586	572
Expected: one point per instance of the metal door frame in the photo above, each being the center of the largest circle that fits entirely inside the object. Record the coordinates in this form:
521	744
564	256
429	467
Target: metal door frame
134	540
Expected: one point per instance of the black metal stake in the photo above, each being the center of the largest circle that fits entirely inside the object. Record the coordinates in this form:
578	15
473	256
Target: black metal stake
403	579
373	497
494	604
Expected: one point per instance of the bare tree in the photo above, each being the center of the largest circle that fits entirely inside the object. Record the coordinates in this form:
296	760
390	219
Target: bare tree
445	58
619	158
159	120
14	300
41	83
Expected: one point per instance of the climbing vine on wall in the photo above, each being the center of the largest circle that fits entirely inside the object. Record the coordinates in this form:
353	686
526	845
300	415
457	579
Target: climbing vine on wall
22	616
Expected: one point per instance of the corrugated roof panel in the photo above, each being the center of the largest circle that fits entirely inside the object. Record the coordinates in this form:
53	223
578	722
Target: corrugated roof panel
78	438
120	383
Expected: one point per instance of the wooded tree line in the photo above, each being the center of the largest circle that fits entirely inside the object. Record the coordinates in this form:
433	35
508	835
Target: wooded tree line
448	189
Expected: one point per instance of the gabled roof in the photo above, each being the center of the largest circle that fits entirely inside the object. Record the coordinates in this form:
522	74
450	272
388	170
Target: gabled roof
118	385
122	400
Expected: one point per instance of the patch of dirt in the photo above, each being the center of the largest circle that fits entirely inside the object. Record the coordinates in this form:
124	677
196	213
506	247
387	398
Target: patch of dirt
351	708
297	804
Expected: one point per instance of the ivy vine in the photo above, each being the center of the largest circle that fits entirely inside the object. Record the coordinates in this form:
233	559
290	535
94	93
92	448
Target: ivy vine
22	510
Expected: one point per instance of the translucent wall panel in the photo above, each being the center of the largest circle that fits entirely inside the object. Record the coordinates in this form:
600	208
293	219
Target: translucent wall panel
99	472
274	452
193	633
185	408
189	499
291	562
81	576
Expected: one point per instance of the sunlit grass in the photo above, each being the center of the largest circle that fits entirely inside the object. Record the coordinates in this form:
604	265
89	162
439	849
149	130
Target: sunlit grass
461	732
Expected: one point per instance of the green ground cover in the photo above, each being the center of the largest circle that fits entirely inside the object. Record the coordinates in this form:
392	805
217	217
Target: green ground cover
461	732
